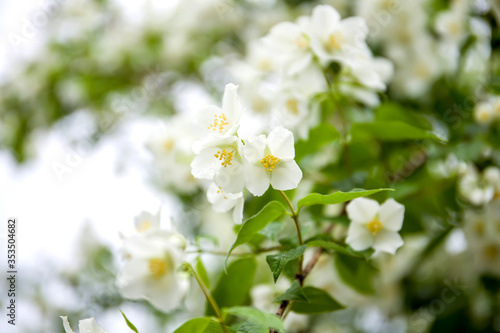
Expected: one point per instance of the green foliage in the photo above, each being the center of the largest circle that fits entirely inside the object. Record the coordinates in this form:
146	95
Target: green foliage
336	198
202	325
256	223
318	137
259	320
356	273
318	302
340	248
392	130
129	324
202	272
232	288
294	293
278	261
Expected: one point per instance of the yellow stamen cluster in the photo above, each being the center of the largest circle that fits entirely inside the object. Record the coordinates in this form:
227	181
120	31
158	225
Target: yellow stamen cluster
335	41
293	106
219	123
269	162
302	42
375	226
157	267
225	156
144	226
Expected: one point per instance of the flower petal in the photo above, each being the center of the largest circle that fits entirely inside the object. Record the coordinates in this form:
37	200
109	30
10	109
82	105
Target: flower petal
131	279
280	142
324	18
387	241
254	149
391	214
232	178
286	175
205	165
257	179
66	325
359	237
231	104
90	325
362	210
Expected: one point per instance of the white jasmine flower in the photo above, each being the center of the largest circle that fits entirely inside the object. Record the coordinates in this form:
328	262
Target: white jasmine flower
290	45
223	202
88	325
450	24
475	187
147	222
374	225
333	38
221	122
219	159
151	270
483	113
271	161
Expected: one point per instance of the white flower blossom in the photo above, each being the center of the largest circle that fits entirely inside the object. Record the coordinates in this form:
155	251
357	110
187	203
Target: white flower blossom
88	325
151	269
223	202
374	225
147	222
271	161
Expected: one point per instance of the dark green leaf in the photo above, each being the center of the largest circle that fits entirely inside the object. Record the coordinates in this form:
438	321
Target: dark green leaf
202	325
294	293
390	131
318	137
357	273
233	288
278	261
336	198
256	223
319	302
129	324
257	318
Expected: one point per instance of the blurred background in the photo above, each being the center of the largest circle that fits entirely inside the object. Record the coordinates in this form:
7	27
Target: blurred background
88	86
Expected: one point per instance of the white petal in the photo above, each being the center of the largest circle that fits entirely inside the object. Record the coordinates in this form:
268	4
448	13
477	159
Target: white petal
131	280
205	165
299	63
362	210
359	237
355	30
205	117
254	149
286	175
232	178
167	293
324	18
257	179
90	325
280	142
387	241
238	211
67	328
391	215
231	104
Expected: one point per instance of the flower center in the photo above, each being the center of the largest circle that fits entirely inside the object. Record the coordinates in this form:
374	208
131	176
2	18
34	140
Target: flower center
269	162
375	226
302	42
491	252
168	145
293	106
219	123
225	156
479	228
144	226
335	41
157	267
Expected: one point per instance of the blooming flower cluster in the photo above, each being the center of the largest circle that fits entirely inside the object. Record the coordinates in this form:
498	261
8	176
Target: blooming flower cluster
233	163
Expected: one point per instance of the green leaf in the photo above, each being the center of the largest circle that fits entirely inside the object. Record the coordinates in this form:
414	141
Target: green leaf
256	223
319	302
258	319
392	130
318	137
129	324
272	230
337	197
278	261
356	273
202	325
202	272
253	327
233	288
294	293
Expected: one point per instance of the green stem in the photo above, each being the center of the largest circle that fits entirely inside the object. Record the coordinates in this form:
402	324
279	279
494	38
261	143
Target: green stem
209	297
295	217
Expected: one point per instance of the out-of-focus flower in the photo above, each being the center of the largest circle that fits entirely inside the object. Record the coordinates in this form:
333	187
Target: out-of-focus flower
483	113
88	325
147	222
475	187
374	225
271	161
223	202
151	271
